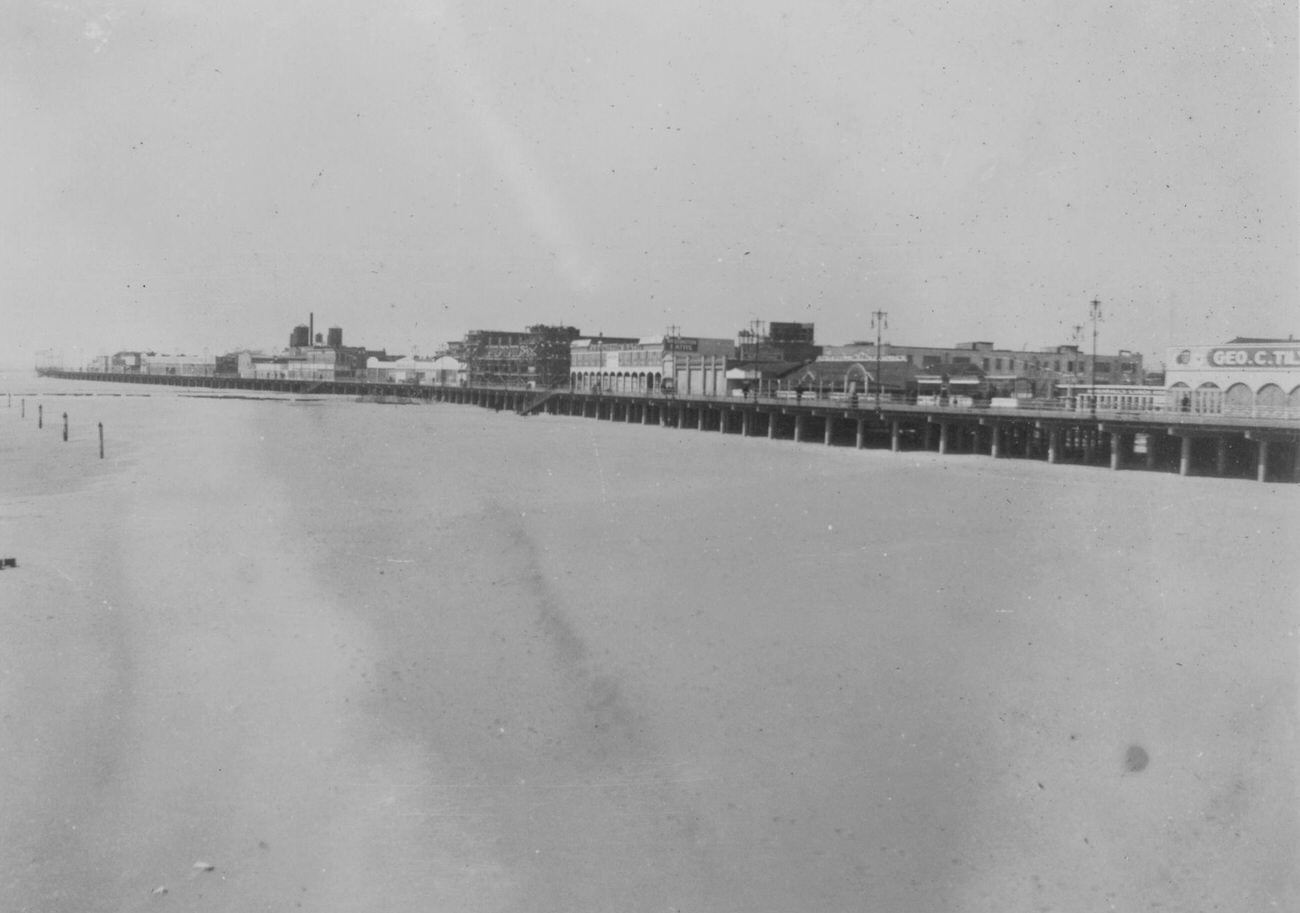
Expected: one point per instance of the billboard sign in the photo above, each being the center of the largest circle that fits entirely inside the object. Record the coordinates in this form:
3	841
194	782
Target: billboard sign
1254	356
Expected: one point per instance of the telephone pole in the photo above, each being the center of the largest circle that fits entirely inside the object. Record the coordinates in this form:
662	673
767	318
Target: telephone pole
879	320
1095	316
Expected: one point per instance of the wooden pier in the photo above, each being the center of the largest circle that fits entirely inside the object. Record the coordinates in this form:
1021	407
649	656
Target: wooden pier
1266	449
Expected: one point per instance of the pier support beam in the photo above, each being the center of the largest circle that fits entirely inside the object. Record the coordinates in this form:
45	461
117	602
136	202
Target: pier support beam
1185	456
1117	441
894	436
1221	455
1261	469
1089	445
860	436
995	448
699	424
830	427
798	427
1152	448
771	425
1053	444
746	423
943	437
723	415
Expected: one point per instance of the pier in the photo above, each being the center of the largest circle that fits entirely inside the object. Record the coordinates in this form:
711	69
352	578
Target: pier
1260	447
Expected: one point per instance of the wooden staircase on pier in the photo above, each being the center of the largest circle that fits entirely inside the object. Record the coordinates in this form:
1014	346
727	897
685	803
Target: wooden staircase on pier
538	400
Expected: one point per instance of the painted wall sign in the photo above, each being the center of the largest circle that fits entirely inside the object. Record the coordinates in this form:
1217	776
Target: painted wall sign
1254	357
1277	356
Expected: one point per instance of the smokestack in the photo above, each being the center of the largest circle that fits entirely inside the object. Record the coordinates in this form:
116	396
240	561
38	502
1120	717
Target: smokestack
311	326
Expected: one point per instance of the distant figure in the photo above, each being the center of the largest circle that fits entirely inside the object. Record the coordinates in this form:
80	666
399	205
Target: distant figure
798	393
744	391
1186	403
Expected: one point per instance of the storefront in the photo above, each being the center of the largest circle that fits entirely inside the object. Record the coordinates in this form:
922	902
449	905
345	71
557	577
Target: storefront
1249	378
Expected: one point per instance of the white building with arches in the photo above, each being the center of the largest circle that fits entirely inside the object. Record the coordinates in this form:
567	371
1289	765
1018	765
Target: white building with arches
687	365
1255	378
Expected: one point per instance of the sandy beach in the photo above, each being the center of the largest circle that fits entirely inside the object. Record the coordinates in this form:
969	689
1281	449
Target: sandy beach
279	654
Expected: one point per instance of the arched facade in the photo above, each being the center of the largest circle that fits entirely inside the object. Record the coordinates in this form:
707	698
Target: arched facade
638	367
1242	378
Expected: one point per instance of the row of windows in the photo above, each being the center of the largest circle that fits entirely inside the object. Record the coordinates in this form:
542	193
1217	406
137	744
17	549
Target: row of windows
1067	366
1239	399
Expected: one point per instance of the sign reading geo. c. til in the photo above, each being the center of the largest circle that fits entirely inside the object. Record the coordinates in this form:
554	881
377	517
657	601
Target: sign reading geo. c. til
1255	357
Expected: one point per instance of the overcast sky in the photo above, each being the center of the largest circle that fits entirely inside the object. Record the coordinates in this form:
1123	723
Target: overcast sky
182	176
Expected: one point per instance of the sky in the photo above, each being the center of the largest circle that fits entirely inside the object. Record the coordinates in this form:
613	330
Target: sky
197	177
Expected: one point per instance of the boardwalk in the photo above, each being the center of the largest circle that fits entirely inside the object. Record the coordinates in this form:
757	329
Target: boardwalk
1263	448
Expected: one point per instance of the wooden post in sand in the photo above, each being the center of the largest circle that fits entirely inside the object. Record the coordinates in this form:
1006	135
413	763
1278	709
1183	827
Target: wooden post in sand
101	440
65	426
40	416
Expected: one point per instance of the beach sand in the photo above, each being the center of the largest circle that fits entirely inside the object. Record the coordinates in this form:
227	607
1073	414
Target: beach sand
280	654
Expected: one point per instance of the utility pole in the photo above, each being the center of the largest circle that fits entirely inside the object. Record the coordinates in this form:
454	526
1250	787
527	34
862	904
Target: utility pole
879	320
1076	336
1095	316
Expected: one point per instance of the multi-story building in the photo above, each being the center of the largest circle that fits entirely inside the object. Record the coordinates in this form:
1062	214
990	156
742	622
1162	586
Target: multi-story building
535	357
689	365
1012	372
767	354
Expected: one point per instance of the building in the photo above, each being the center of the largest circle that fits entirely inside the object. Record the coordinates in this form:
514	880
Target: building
178	365
854	371
1244	377
767	354
1012	372
688	365
535	357
440	371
